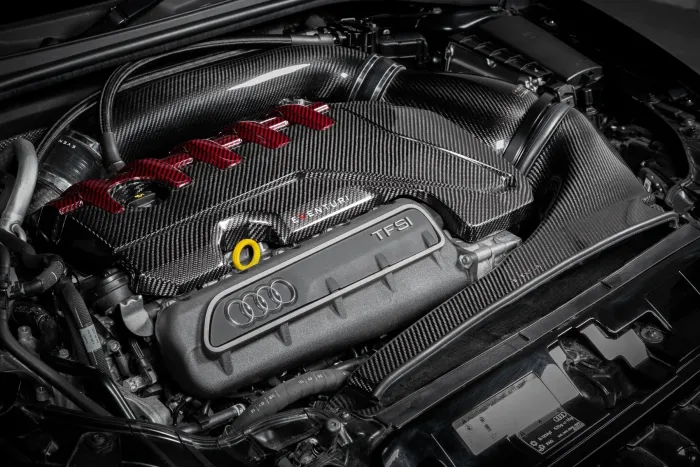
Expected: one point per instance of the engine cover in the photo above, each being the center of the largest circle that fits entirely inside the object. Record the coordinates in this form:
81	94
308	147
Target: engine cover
293	177
355	282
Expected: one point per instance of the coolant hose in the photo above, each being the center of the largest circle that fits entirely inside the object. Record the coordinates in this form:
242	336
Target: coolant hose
44	281
27	358
279	397
79	311
23	188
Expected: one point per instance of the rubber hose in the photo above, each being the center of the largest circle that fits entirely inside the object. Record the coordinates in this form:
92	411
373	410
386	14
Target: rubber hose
16	244
45	280
209	423
55	131
33	314
23	189
79	311
276	399
79	351
28	359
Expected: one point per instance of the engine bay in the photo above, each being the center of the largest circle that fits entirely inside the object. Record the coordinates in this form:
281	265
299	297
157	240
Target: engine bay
310	214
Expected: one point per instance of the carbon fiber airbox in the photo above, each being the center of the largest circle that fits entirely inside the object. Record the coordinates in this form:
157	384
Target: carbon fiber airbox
360	155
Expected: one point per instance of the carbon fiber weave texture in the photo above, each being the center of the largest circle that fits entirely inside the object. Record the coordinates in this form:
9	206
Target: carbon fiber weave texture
489	109
381	149
32	136
152	119
597	197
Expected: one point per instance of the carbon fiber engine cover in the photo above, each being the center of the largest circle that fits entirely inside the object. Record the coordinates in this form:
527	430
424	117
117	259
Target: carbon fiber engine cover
372	153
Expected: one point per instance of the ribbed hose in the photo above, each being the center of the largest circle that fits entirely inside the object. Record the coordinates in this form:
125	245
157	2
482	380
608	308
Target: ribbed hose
44	281
23	188
274	400
27	358
83	320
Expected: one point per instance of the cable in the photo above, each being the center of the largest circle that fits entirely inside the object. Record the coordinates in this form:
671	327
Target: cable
60	126
53	133
27	358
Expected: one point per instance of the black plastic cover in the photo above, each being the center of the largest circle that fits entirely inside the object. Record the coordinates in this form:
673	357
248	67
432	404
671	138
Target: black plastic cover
356	282
519	34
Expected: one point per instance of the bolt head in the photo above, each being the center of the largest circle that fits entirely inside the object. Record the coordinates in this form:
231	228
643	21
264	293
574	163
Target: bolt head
333	425
651	335
465	261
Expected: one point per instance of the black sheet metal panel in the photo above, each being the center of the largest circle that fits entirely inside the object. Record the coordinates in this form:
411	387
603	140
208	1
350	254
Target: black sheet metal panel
384	150
589	194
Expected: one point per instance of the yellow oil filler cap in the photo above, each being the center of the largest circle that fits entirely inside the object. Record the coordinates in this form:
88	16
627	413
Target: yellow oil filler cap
238	255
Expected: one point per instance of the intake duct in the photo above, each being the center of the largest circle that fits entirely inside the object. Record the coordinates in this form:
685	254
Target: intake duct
152	119
585	197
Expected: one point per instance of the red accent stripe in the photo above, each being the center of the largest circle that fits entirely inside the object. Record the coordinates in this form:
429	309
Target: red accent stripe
97	192
307	116
212	153
257	133
216	152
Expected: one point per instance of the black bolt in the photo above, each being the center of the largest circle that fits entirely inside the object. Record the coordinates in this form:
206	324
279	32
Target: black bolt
98	442
651	335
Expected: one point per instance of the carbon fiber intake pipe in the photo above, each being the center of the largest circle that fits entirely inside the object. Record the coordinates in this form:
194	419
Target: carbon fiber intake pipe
489	109
151	120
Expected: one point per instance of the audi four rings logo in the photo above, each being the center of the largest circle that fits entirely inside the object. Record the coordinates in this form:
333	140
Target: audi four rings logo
257	305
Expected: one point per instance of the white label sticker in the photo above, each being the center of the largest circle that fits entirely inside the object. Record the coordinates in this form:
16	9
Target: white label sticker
506	413
90	338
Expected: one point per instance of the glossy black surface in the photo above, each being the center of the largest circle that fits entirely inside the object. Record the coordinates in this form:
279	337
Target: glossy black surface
385	150
622	307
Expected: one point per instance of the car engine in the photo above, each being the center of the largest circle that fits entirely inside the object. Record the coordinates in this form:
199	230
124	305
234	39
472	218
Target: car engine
291	220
